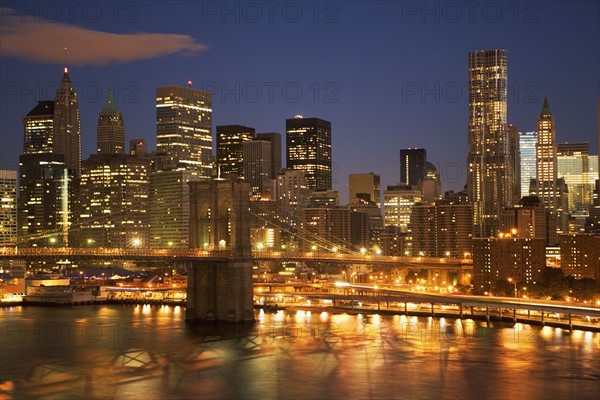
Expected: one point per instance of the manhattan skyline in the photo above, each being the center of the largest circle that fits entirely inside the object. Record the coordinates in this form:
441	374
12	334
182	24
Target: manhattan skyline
388	77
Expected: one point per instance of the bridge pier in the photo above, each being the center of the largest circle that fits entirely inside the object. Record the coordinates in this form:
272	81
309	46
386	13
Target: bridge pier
220	291
543	322
570	323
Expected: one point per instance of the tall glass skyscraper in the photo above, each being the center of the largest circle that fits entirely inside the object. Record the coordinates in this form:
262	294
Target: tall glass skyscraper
412	165
39	128
308	148
230	150
489	177
184	128
527	143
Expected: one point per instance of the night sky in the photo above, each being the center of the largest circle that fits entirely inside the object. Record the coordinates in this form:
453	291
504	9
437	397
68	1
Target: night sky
388	75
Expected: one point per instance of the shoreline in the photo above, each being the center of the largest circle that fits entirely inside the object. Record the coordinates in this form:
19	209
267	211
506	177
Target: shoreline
338	310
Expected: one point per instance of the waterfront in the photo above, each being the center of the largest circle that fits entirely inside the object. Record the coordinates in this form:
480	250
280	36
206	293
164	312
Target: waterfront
127	351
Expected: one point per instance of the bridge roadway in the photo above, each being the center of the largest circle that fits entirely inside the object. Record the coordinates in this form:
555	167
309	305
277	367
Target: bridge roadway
373	294
32	253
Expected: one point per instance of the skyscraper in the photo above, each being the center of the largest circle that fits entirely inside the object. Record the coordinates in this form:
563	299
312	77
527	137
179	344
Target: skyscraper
552	191
488	180
257	165
412	165
275	139
113	195
308	148
111	130
230	152
514	162
528	163
45	195
169	209
184	127
546	153
8	211
39	129
579	171
67	127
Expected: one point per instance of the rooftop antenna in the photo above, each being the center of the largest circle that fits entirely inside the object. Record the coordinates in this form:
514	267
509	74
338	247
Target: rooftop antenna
66	69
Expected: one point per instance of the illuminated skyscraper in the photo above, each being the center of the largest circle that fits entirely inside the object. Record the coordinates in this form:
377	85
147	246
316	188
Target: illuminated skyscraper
113	195
169	209
45	195
552	191
527	145
39	129
397	203
580	172
546	153
67	127
489	177
111	130
291	192
230	152
412	165
8	211
308	148
184	127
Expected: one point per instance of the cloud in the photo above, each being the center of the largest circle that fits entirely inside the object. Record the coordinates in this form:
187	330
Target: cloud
42	41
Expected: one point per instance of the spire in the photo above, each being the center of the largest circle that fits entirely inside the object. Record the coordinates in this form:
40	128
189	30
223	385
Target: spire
546	108
110	107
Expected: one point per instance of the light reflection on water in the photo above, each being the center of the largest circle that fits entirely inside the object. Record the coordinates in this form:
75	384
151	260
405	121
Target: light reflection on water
149	352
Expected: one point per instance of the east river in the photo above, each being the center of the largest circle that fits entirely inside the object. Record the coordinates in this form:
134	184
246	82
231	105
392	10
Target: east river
150	352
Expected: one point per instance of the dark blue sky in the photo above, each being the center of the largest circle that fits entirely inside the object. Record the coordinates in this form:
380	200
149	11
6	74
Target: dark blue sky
388	75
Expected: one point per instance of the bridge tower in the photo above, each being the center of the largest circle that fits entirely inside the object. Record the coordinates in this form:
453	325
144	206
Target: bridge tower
220	290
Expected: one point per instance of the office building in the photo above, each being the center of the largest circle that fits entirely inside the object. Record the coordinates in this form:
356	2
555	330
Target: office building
275	139
111	129
39	129
257	165
308	148
514	160
548	187
45	196
169	209
580	172
230	150
67	126
8	209
184	128
324	198
489	177
528	161
397	203
412	165
364	187
113	196
291	193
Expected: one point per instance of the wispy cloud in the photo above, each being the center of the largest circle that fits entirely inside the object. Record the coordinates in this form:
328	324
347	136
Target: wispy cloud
43	41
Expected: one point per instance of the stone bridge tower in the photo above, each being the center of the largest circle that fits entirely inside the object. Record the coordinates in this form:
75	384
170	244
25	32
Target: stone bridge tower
220	289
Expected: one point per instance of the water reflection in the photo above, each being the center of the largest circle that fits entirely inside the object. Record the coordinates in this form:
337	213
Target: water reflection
150	352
